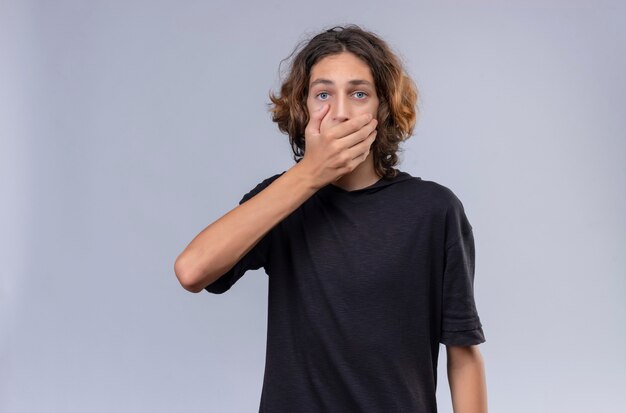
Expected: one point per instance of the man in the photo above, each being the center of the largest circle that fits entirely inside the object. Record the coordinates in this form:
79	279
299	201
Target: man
369	267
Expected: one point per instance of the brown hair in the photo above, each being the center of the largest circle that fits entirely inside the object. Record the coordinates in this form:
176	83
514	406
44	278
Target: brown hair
396	91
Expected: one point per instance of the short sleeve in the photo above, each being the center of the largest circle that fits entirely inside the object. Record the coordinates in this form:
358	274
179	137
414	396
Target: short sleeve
461	324
253	259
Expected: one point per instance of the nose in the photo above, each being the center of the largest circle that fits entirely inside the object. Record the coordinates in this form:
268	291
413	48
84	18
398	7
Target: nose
339	109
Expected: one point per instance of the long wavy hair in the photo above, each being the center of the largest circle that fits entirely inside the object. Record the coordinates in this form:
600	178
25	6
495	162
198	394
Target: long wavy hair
396	92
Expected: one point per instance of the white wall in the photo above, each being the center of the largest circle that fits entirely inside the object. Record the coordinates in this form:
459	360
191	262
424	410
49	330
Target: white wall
128	126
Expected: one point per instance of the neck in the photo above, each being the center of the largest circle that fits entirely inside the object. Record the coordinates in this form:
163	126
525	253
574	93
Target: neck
362	176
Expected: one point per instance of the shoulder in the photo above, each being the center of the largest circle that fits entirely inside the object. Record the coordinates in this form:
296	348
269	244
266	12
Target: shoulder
457	224
438	195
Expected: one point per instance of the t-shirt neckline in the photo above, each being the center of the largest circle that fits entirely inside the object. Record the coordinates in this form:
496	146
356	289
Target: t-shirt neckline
338	188
401	176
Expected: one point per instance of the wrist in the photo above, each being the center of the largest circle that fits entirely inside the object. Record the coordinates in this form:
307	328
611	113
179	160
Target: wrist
306	176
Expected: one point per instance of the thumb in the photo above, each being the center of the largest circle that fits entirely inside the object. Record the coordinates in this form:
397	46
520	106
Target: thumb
316	119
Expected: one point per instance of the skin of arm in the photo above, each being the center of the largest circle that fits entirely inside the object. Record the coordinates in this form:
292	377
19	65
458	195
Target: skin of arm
466	377
335	152
220	245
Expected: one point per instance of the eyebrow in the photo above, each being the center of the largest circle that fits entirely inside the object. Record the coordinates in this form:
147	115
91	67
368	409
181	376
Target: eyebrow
355	82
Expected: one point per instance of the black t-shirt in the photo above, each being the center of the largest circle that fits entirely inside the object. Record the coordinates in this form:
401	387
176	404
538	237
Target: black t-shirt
363	286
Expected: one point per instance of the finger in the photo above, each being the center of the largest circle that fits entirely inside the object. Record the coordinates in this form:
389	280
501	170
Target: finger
356	151
361	150
325	119
360	135
316	119
355	124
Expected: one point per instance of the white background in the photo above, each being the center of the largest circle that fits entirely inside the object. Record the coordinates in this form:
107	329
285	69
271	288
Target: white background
126	127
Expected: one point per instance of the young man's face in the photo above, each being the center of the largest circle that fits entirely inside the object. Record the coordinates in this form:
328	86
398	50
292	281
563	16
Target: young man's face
345	82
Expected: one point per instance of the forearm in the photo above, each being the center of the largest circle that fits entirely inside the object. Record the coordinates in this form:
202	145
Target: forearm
220	245
466	376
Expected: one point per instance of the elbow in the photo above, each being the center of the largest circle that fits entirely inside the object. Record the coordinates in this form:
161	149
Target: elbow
187	279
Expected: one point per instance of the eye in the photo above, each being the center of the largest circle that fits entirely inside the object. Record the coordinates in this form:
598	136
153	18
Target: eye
323	95
360	95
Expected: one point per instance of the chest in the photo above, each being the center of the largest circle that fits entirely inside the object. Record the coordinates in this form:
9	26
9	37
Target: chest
359	252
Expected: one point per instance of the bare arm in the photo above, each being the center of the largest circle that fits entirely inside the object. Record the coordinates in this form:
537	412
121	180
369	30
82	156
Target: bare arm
466	376
224	242
330	154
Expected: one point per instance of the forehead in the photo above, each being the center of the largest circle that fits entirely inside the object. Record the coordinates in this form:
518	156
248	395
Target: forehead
341	67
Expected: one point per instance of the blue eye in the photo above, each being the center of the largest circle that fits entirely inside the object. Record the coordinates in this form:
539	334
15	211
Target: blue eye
361	93
319	95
